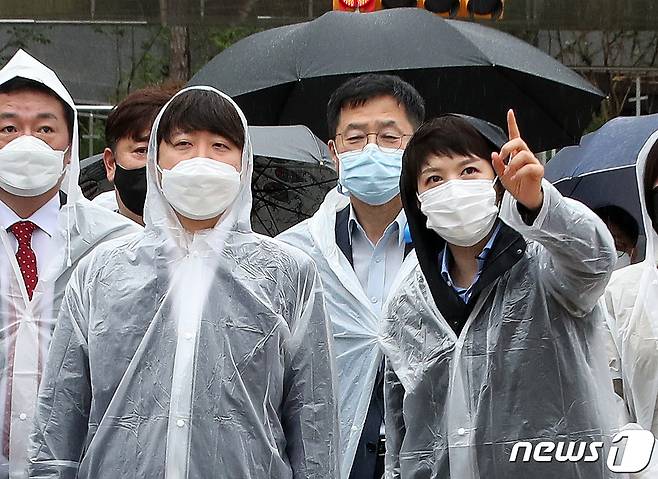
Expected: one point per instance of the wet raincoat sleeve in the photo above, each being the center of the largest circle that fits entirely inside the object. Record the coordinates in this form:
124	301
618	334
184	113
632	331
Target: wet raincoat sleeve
61	422
308	392
575	250
393	422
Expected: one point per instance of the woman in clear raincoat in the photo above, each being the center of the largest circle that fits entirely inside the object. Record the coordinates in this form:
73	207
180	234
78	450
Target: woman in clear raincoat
28	323
191	355
523	360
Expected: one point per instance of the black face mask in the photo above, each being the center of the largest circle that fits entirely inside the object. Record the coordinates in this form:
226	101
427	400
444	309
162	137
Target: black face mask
131	185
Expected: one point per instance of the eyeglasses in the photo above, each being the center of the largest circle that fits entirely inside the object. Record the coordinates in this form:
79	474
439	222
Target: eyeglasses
357	140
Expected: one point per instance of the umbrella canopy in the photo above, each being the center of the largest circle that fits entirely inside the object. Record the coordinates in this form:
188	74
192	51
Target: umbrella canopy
294	143
601	170
286	75
292	174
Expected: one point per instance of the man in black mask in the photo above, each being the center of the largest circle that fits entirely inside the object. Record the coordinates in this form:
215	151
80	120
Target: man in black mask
127	134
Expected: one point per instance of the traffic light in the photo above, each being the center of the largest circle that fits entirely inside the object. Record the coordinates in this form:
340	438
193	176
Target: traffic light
363	6
473	9
398	3
484	8
445	8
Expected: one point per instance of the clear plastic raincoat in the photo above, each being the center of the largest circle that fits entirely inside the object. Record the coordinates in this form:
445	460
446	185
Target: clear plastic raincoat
27	325
355	324
631	300
528	365
182	355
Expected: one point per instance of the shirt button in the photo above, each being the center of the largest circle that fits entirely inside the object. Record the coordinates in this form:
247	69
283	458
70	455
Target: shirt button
519	251
22	416
180	423
378	260
461	431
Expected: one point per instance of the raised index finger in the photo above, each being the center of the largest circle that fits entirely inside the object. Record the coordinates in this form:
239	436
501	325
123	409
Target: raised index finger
512	127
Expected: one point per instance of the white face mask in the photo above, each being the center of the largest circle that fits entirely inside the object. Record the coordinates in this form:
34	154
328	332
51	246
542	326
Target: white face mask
29	166
200	188
462	212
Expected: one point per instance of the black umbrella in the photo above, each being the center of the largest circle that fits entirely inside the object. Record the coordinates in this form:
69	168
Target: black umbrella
286	75
292	174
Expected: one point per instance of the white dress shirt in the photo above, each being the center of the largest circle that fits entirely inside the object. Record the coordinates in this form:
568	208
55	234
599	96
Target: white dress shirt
46	220
376	266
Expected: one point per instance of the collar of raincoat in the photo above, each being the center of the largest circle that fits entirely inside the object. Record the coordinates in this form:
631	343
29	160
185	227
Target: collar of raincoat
22	65
650	257
160	217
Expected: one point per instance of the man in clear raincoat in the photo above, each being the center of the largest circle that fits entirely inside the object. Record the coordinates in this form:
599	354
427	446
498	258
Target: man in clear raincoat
197	348
494	335
357	239
47	228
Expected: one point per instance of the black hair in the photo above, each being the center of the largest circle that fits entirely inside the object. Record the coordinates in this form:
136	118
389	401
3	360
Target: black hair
19	84
135	114
449	135
620	217
201	110
359	90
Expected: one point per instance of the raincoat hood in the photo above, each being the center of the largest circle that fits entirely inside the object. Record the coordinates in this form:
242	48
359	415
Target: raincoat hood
159	214
22	65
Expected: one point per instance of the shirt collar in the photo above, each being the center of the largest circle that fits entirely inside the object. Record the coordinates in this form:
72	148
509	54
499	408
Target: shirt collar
45	217
447	257
400	222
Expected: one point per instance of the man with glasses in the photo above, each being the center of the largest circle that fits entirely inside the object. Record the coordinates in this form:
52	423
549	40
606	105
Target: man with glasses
357	239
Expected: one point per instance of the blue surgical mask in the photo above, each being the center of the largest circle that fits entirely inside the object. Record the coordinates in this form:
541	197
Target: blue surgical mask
371	174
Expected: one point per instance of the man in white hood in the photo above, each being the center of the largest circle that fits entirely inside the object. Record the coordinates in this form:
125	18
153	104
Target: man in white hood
196	348
47	227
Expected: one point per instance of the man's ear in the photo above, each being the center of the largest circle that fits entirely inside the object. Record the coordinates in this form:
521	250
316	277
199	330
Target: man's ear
334	155
110	164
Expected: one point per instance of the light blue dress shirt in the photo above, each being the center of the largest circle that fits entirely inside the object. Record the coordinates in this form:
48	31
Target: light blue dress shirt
376	266
466	293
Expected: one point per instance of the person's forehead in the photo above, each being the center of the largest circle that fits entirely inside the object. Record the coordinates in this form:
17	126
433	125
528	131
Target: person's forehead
441	161
30	103
383	108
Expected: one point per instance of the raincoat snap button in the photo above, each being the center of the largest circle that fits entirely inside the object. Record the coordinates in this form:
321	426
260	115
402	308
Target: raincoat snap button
180	423
22	416
519	251
189	336
461	431
373	299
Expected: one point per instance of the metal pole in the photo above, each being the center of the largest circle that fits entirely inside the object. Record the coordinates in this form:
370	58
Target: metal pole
91	133
638	97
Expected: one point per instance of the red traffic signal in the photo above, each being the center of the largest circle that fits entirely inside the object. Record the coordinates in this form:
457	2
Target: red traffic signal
356	5
480	9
